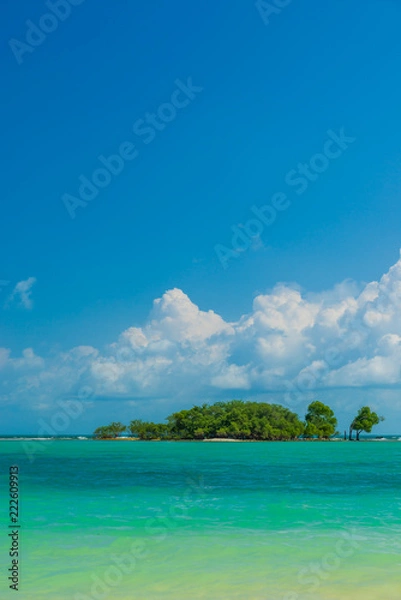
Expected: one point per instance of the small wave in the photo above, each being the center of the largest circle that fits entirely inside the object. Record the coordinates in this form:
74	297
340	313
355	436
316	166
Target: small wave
25	439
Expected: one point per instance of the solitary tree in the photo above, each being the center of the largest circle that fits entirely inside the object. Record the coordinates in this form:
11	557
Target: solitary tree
320	421
364	421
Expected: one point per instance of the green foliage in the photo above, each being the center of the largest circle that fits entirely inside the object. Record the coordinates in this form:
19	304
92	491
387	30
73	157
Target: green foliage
102	433
320	421
117	428
235	419
365	420
148	430
240	420
109	431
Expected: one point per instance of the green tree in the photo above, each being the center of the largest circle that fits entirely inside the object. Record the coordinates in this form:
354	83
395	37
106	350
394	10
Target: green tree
135	427
109	431
364	421
103	433
320	421
98	433
116	428
147	430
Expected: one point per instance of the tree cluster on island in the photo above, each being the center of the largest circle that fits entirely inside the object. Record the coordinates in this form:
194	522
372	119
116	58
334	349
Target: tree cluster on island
241	420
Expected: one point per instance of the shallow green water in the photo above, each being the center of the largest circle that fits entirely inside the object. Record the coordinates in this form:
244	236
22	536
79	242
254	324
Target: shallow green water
279	521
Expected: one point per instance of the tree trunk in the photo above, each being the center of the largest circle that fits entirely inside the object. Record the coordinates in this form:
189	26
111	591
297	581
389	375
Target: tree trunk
350	432
357	436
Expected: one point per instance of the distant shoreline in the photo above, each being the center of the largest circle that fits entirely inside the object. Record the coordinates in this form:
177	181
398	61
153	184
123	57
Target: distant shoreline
89	438
219	440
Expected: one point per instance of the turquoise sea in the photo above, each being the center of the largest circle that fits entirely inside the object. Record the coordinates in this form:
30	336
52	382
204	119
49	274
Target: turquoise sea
187	520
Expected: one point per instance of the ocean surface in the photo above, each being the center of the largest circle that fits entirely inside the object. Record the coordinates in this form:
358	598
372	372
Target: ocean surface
187	520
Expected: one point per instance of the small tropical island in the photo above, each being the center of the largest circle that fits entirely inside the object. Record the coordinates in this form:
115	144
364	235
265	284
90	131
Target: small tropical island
240	420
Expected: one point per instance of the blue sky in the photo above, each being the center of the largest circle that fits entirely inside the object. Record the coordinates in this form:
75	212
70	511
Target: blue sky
267	96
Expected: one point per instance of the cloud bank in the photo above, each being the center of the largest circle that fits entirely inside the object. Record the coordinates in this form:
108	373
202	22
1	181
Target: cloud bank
292	344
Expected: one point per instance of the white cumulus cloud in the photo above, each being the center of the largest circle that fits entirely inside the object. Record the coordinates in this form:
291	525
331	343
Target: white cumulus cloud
290	344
